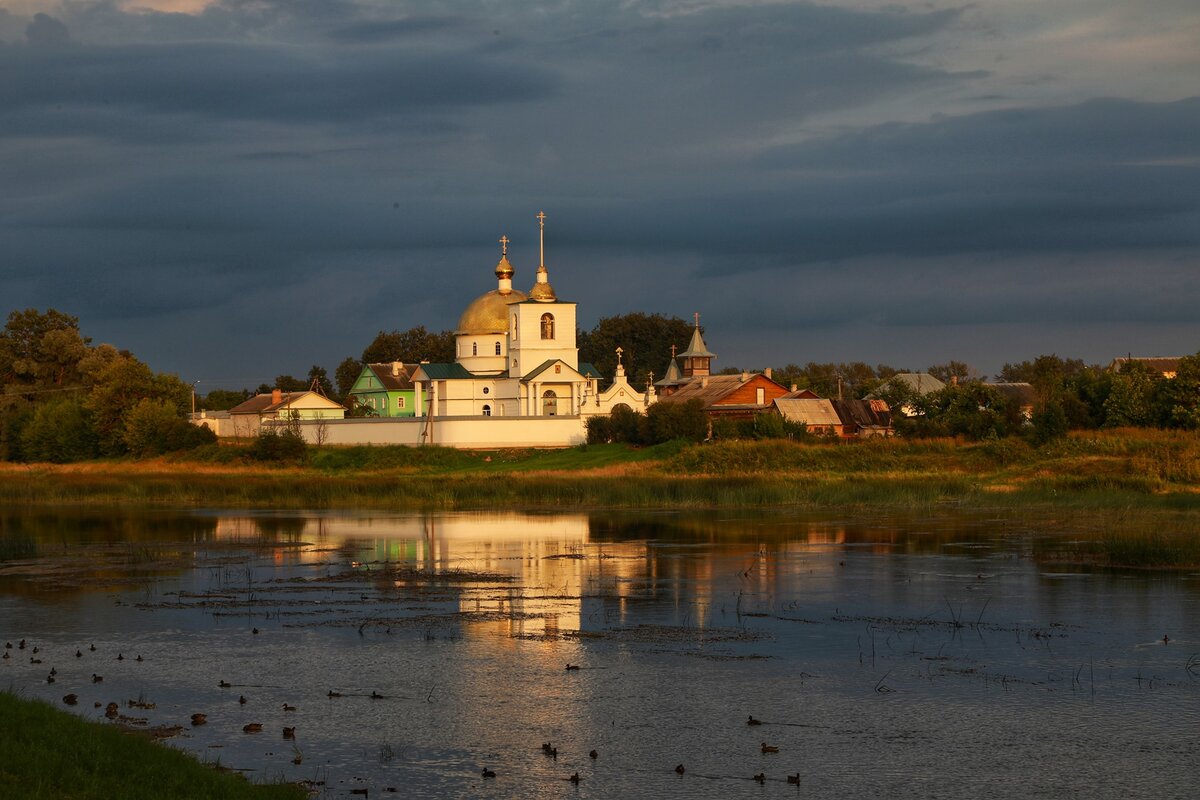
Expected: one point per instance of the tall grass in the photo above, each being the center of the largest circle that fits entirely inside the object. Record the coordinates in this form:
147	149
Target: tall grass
47	754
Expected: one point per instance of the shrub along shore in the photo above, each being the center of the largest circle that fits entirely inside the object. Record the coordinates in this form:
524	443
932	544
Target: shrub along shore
49	754
1126	469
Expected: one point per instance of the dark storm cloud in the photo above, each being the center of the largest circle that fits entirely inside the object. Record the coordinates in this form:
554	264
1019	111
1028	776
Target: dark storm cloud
234	81
373	32
46	30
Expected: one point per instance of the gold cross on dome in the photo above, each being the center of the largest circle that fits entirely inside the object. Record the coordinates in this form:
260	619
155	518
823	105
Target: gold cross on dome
504	240
541	218
619	351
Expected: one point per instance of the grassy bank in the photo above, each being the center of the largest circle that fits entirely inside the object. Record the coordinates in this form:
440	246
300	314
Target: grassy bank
47	753
1110	470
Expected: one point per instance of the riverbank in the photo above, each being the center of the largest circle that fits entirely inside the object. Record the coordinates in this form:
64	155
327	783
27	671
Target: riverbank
49	754
1139	469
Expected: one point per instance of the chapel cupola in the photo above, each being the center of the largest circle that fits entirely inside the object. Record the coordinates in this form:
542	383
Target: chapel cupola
504	270
697	360
542	291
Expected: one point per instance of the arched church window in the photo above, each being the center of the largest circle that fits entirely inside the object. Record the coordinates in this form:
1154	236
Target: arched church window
549	403
515	329
487	411
474	348
547	326
497	348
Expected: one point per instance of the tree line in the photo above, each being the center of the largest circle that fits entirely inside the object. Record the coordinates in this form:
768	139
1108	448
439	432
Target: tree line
64	399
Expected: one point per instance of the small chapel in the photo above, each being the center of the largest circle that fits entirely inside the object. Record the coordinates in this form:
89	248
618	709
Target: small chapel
516	356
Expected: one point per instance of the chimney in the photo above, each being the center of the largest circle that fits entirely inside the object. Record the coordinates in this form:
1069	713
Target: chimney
793	387
767	372
954	380
396	367
704	382
745	376
276	396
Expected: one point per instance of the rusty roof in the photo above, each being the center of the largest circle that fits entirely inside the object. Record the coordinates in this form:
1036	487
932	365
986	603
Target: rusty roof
392	382
808	410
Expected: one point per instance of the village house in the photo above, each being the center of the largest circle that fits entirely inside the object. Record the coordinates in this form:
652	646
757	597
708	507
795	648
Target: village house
1020	394
247	419
738	396
385	390
1166	366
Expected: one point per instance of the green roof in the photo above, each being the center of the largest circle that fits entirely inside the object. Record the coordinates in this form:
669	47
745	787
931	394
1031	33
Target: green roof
589	371
446	372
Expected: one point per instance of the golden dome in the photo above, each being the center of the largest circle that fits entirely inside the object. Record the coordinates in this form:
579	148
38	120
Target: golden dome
542	291
504	270
488	313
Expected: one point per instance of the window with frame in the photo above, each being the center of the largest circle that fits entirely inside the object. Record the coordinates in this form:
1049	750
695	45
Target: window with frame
497	348
547	326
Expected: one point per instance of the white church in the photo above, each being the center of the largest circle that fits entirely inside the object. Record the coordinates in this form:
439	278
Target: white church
516	380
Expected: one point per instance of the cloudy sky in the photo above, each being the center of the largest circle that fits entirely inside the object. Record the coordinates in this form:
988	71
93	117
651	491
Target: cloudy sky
235	189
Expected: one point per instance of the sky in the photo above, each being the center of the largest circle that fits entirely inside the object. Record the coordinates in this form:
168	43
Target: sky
237	189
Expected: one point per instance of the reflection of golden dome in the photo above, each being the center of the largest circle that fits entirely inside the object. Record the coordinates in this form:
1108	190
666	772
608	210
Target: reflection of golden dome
488	313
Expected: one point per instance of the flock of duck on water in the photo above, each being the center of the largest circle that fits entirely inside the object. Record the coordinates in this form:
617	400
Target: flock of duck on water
112	711
550	750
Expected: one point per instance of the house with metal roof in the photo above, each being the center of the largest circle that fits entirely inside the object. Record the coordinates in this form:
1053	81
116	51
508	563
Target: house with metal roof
1167	366
385	390
818	414
246	419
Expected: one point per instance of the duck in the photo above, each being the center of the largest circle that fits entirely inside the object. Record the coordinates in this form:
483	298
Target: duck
112	710
299	758
224	684
551	751
21	645
794	778
71	699
254	631
376	695
242	699
139	659
92	648
572	667
768	748
78	654
487	773
289	733
33	660
332	693
199	719
574	778
36	650
53	671
761	777
253	727
286	707
546	746
594	754
49	679
679	770
1166	640
8	645
97	678
6	655
752	721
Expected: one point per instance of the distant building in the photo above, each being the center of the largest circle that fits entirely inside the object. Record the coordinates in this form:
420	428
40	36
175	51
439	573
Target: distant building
1167	366
919	383
738	396
862	419
246	419
817	414
386	389
1020	394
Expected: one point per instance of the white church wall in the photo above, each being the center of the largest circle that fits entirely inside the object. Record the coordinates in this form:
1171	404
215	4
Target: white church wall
461	432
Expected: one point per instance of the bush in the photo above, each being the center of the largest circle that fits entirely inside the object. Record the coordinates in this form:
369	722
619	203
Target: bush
154	427
666	421
272	445
599	430
59	431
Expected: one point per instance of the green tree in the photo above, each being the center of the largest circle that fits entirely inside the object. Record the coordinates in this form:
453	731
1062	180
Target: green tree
413	345
39	349
224	399
346	374
1179	397
1131	400
946	373
117	385
155	426
317	374
663	422
289	383
60	431
645	341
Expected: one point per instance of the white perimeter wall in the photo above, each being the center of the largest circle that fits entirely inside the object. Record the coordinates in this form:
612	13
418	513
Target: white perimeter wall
462	432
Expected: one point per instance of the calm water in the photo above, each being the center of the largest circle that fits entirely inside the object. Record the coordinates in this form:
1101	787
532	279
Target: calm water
900	657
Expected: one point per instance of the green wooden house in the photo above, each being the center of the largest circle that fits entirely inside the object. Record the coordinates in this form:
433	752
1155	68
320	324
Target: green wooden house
385	390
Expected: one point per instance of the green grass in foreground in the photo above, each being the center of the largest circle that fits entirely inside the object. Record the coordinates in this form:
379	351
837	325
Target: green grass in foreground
50	754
